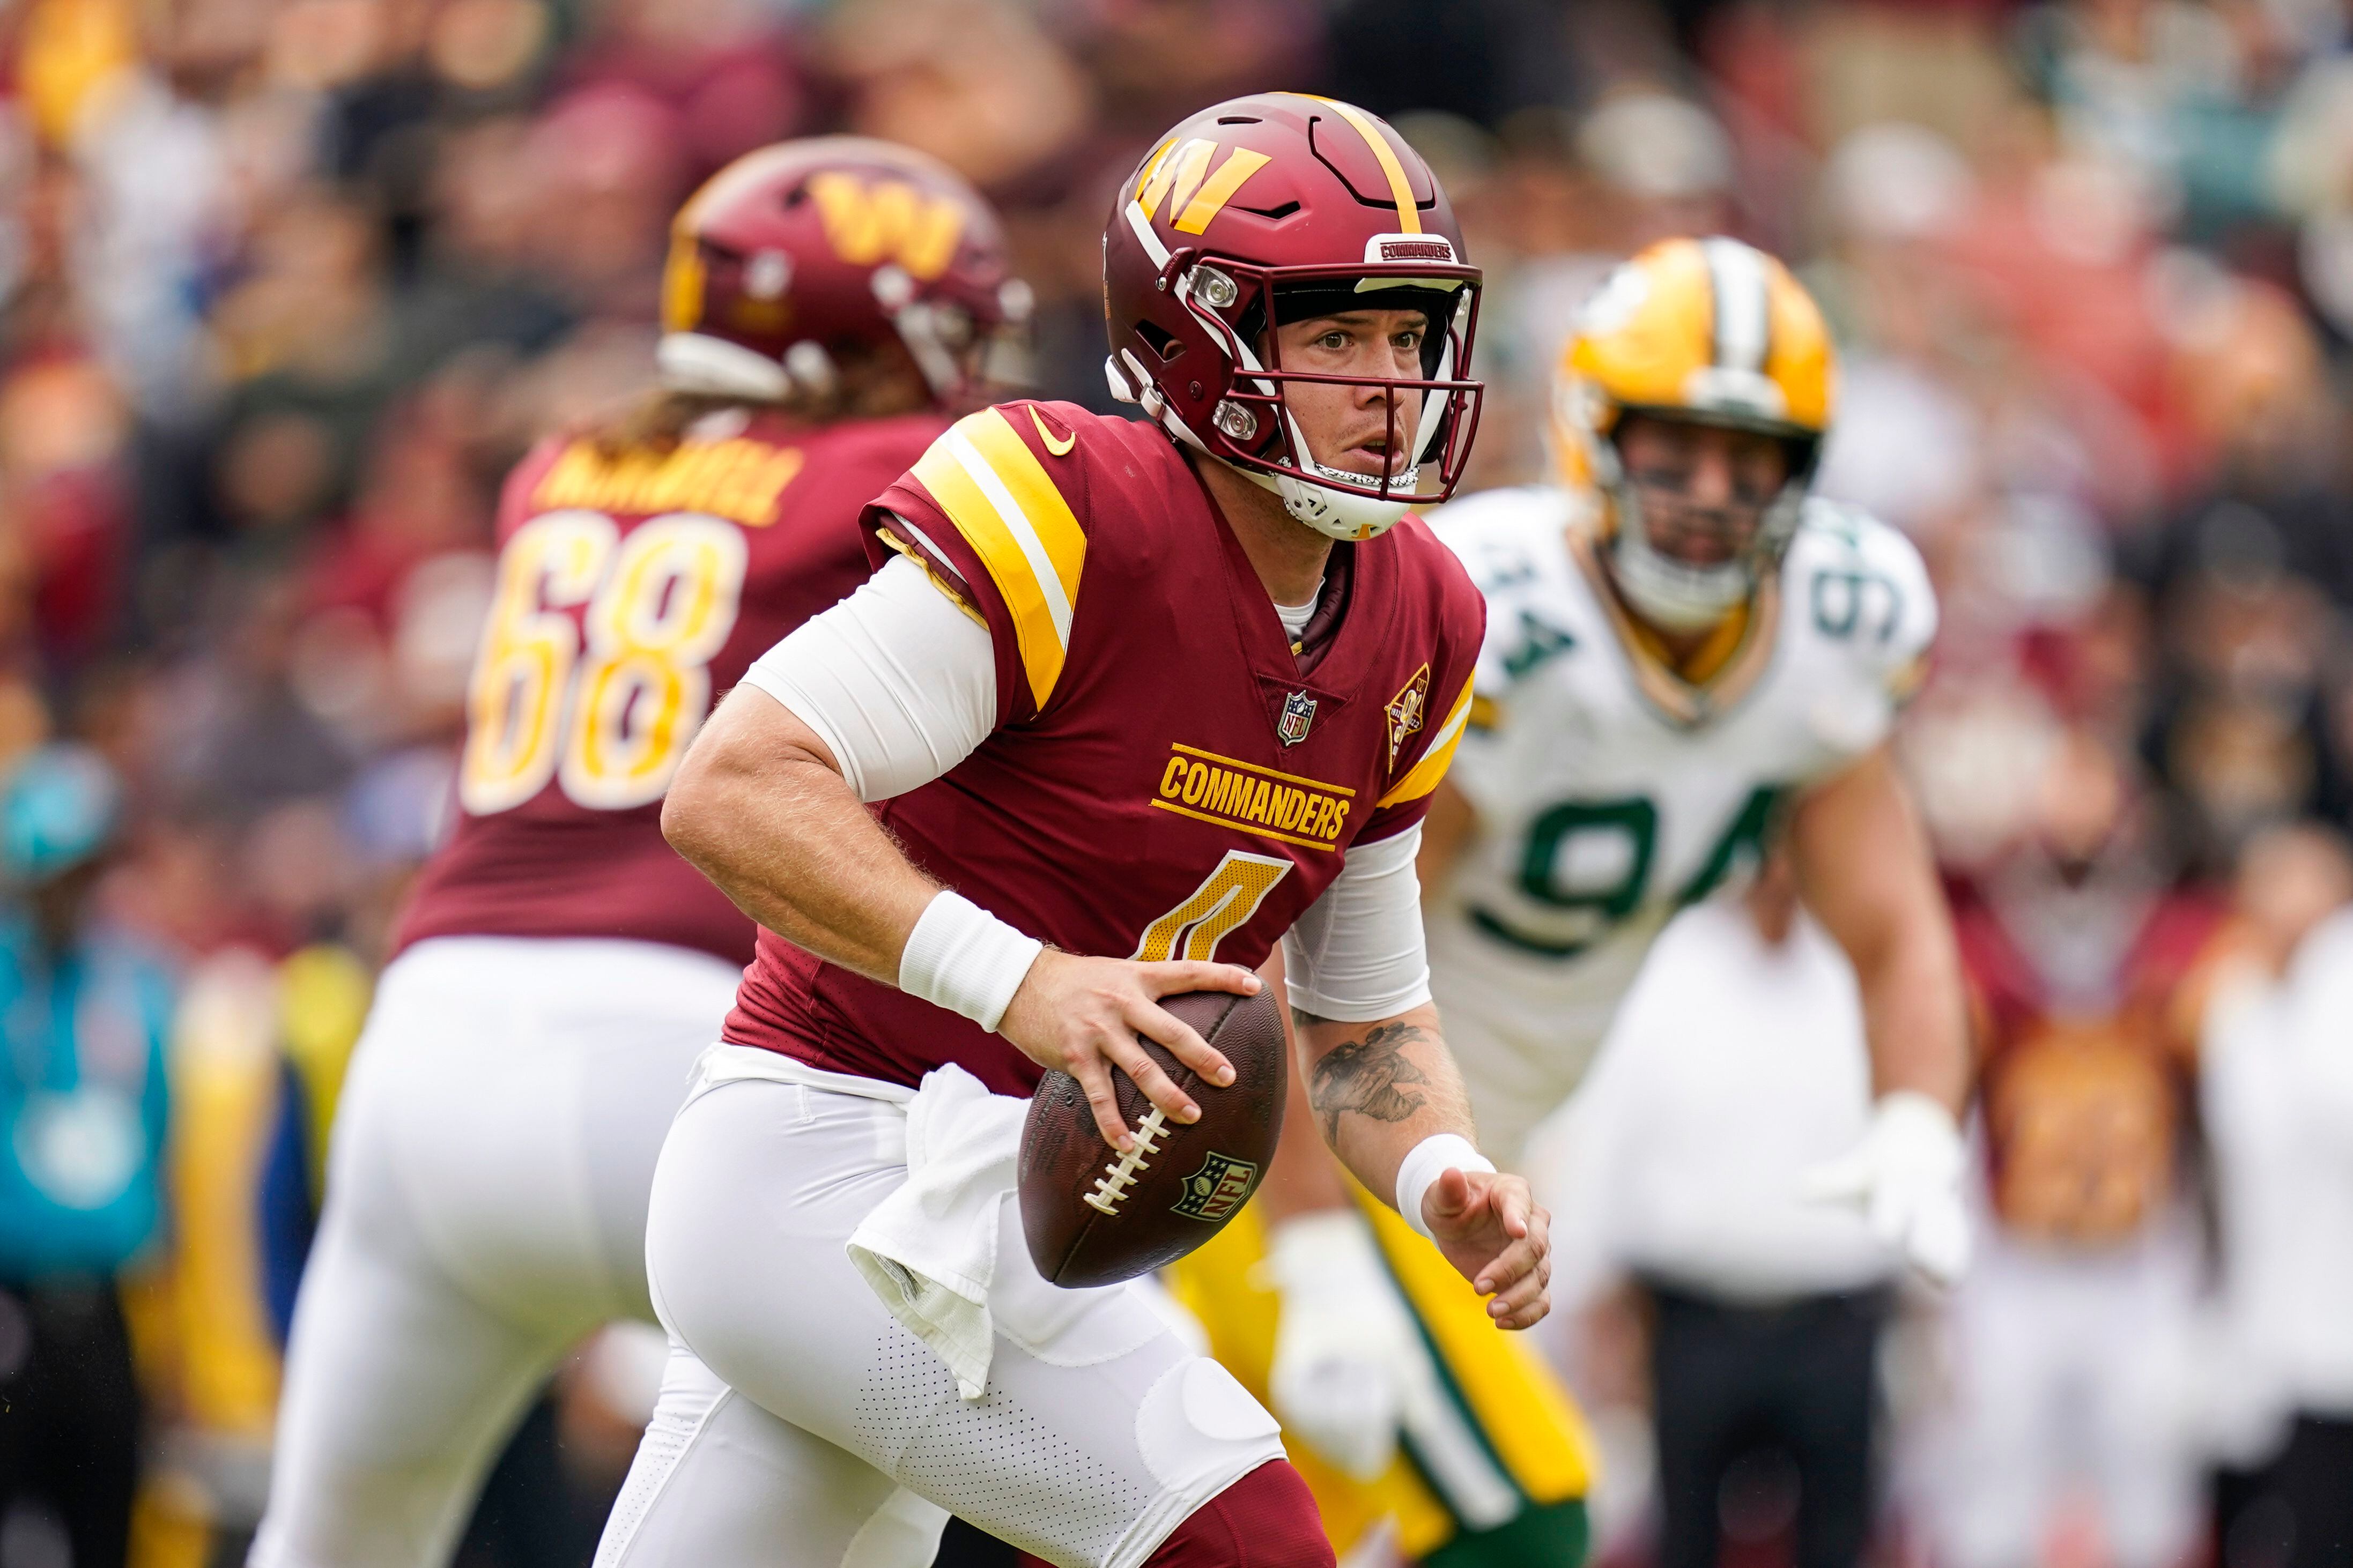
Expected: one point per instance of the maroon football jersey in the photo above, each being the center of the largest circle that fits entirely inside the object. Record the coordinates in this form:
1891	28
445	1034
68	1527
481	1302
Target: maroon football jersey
632	591
1171	777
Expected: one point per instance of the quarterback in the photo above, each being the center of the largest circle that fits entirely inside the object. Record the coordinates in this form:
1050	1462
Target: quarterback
1129	702
1685	652
558	968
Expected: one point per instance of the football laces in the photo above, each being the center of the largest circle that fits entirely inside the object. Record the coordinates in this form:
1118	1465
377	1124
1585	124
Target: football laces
1120	1174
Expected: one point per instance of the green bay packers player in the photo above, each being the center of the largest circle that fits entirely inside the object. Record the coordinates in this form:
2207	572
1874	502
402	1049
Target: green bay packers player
1685	653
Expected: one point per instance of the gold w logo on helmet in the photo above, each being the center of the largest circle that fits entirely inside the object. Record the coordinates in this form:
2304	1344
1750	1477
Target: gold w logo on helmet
889	220
1182	174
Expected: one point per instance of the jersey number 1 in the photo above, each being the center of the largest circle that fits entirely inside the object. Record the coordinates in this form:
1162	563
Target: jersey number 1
607	714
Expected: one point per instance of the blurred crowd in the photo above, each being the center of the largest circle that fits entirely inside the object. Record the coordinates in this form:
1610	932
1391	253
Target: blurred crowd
286	286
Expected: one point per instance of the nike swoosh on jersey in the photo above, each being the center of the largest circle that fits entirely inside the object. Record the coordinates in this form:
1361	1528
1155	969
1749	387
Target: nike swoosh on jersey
1060	449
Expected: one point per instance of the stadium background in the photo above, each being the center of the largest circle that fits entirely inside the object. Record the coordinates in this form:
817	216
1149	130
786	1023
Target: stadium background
288	284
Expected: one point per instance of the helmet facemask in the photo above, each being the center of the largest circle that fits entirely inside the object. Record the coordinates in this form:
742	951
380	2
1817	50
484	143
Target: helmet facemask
1675	593
1241	418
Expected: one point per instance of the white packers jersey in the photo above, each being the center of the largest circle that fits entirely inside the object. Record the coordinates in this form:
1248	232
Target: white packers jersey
1608	794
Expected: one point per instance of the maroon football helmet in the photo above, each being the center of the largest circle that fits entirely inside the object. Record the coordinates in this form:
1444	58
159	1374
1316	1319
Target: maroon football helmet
1280	207
796	253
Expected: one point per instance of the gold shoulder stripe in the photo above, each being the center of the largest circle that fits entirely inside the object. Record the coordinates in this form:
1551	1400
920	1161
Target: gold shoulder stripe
1425	773
1401	188
994	490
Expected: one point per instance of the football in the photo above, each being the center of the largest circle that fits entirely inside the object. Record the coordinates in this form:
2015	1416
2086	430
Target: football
1093	1215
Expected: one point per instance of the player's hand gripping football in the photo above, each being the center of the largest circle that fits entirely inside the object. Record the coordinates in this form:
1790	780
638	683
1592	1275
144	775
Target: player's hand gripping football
1490	1226
1081	1016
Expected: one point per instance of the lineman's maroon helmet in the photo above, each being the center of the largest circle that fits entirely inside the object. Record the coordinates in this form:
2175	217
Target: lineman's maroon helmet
797	254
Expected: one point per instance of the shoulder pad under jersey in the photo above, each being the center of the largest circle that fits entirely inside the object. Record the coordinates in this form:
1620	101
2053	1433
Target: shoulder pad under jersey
1512	543
1860	587
1004	499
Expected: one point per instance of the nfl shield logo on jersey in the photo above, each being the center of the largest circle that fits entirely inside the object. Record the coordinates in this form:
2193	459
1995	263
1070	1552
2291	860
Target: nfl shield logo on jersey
1215	1191
1298	713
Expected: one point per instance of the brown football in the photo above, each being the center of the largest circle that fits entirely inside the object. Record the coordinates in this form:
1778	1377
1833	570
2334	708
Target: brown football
1095	1217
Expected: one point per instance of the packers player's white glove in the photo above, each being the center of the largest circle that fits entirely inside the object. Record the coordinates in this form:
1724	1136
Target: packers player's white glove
1906	1175
1347	1358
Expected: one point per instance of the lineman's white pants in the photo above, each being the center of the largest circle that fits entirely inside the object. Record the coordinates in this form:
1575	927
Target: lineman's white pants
790	1383
486	1207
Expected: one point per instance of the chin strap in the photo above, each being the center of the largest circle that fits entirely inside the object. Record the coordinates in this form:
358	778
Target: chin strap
1336	511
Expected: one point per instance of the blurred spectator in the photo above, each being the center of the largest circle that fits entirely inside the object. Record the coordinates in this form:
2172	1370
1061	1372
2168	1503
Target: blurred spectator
2278	1093
82	1101
1735	1067
720	66
979	84
2070	1337
1490	60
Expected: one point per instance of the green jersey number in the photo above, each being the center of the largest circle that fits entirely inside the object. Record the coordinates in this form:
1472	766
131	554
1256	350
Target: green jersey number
1633	823
1854	604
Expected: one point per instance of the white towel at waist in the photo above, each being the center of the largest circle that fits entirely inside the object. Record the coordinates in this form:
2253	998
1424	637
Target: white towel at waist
928	1250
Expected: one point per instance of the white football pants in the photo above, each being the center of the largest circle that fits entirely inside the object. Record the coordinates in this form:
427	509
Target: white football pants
486	1209
1099	1430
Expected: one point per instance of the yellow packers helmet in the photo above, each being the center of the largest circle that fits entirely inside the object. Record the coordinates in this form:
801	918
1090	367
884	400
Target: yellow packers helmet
1709	331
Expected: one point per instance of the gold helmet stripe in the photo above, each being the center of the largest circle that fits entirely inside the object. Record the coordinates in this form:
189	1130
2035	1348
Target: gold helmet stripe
1401	188
1737	279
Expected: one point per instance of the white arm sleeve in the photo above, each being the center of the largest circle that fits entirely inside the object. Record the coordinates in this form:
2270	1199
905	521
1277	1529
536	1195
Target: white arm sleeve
896	679
1357	954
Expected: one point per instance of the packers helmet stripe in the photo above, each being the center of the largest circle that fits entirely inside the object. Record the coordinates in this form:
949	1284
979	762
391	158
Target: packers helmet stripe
1737	279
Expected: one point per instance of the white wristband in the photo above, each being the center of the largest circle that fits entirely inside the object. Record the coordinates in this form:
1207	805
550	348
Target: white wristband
1425	1162
961	957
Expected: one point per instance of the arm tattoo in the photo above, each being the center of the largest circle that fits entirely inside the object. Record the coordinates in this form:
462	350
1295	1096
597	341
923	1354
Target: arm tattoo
1369	1077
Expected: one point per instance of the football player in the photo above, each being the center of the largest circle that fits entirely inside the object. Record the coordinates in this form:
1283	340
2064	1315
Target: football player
1130	700
1685	653
824	304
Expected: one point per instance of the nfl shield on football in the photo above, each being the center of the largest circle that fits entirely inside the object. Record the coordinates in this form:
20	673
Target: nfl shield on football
1093	1215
